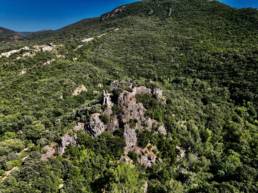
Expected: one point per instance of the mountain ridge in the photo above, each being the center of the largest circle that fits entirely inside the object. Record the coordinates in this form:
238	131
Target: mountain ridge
250	12
7	34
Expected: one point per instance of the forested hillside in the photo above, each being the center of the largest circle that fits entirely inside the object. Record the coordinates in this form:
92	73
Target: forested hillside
156	96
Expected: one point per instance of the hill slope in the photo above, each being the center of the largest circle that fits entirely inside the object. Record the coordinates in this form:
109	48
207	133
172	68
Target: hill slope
60	133
8	35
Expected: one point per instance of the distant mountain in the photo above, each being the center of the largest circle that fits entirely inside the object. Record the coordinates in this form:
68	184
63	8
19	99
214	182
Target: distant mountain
7	35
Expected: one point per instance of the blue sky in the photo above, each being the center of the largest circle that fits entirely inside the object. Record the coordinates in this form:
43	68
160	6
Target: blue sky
241	3
33	15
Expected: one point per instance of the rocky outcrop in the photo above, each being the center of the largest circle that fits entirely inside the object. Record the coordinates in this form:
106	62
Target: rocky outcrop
113	13
66	140
45	48
24	71
86	40
12	52
129	116
95	126
130	109
48	62
118	110
79	127
49	152
162	130
77	91
30	51
180	153
157	93
130	139
113	125
147	155
131	113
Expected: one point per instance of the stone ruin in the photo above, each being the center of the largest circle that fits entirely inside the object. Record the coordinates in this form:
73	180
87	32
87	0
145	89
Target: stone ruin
130	112
119	110
107	99
130	117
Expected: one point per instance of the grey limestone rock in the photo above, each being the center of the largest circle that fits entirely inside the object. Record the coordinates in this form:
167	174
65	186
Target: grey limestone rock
66	140
95	126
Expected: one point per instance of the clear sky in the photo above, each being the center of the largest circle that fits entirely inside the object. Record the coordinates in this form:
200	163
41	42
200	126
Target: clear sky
241	3
33	15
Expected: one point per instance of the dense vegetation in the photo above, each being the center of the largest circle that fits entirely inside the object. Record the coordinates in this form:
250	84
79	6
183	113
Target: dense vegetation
202	54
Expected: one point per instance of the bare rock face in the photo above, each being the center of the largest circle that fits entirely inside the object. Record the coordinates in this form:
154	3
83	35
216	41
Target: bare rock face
150	124
148	156
180	153
130	139
48	62
113	125
157	93
88	40
130	116
49	152
44	48
113	13
131	110
95	126
134	111
66	140
79	127
79	90
12	52
24	71
162	130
